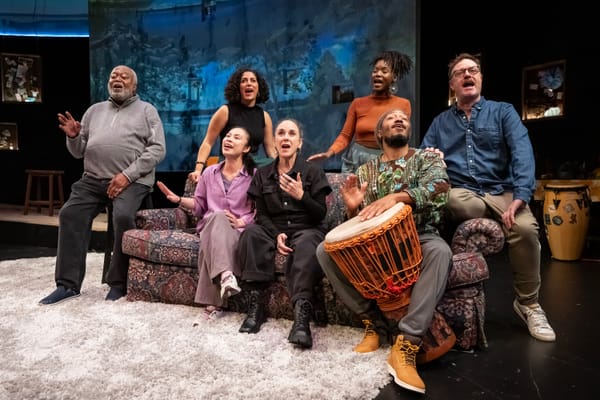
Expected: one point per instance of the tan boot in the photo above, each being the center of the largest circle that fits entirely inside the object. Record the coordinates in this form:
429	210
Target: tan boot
402	366
370	341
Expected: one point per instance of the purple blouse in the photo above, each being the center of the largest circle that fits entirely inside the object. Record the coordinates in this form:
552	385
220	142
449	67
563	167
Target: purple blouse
210	196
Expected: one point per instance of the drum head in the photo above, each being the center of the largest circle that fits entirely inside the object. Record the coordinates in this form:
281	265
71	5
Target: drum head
354	226
565	187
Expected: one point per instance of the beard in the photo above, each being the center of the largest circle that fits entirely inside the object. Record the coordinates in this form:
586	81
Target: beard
396	141
121	95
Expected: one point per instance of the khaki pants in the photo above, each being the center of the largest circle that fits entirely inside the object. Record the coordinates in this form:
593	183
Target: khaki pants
523	237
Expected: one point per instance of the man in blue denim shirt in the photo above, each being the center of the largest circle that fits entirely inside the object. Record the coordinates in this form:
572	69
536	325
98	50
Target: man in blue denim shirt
490	163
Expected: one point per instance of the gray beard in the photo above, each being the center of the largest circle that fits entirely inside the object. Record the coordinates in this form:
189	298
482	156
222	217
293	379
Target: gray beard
121	96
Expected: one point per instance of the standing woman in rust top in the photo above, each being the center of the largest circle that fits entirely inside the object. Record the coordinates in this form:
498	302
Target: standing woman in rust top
357	134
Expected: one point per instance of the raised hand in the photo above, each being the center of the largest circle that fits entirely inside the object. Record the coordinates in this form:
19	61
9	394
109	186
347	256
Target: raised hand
353	194
68	124
172	197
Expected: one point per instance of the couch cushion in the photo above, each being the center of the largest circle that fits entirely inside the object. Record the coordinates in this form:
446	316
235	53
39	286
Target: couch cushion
148	281
162	219
163	247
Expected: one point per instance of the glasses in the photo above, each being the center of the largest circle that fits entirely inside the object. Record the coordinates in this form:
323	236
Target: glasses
459	73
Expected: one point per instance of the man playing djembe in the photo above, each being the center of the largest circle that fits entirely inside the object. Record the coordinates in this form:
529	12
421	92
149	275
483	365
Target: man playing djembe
417	178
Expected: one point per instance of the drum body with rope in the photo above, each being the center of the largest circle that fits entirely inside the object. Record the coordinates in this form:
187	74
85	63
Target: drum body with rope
381	256
566	219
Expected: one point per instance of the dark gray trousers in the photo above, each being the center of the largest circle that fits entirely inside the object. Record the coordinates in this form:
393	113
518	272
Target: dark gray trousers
302	270
88	198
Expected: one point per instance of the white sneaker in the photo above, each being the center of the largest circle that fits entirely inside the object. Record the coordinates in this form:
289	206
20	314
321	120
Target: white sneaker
212	313
229	287
536	321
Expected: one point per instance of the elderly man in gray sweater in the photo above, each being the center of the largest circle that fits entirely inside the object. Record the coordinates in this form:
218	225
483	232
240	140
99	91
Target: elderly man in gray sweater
121	140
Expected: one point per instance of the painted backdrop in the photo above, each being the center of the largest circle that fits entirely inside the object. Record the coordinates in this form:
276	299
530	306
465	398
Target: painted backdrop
315	55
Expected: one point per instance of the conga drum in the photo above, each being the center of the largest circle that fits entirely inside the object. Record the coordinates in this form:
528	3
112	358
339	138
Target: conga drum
381	256
566	219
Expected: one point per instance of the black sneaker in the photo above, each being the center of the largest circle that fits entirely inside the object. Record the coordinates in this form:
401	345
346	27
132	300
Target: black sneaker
60	294
115	293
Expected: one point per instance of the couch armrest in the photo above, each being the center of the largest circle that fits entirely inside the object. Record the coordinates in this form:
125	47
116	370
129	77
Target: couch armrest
336	210
467	269
163	219
483	235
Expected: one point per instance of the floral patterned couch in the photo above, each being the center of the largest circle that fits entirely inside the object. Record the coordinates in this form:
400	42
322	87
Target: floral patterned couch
164	254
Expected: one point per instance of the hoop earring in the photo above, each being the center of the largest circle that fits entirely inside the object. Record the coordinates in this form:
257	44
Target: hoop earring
393	87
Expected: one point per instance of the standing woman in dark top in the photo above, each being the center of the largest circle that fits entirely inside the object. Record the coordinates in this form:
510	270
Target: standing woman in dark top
290	203
245	89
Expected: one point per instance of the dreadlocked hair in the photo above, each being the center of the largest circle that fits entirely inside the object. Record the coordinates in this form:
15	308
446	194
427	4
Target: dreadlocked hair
400	63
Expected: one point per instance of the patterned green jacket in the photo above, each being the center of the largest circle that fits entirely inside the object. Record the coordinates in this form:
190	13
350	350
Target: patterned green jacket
422	174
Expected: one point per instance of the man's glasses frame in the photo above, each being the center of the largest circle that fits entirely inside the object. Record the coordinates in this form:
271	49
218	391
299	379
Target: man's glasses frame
459	73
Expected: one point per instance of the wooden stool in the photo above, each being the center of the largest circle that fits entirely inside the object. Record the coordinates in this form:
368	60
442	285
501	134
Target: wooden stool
50	201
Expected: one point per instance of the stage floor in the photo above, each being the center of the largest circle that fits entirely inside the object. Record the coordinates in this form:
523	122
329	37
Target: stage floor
514	366
41	229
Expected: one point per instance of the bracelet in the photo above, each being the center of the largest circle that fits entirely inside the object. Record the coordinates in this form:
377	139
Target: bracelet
179	201
201	162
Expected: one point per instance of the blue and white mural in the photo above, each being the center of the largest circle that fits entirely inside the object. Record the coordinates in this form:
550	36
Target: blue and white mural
308	50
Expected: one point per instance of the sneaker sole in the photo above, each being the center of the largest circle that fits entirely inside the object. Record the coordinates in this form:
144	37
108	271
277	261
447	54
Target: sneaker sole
533	334
59	301
405	385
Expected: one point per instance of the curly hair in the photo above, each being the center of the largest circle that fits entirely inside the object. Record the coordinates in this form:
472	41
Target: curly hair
232	89
400	63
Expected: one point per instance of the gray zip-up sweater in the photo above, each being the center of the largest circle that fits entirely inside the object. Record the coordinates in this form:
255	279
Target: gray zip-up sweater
127	138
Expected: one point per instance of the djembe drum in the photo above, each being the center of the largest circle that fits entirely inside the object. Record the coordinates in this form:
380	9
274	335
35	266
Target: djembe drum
382	258
566	218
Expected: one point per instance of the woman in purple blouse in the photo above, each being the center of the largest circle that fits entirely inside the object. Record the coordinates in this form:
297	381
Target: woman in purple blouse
223	209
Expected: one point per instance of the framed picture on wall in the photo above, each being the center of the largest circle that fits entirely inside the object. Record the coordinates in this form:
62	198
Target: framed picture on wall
9	136
21	78
543	91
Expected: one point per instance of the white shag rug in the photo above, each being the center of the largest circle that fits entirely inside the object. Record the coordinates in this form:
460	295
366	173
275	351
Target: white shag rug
88	348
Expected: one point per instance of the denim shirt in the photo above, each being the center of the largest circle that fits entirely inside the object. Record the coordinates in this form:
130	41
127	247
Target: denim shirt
490	153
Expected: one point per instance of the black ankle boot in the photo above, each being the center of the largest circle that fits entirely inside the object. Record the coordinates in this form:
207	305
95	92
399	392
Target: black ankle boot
300	333
256	313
